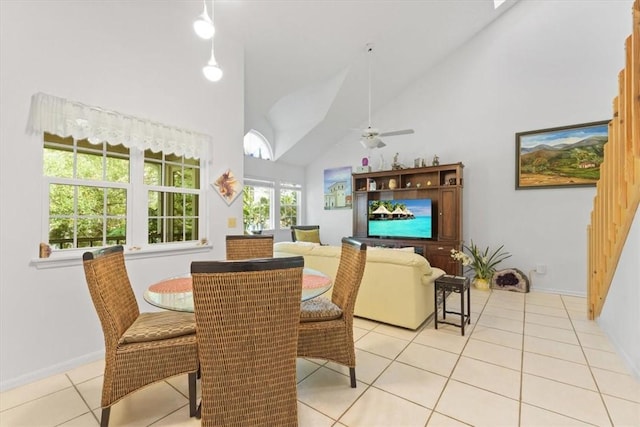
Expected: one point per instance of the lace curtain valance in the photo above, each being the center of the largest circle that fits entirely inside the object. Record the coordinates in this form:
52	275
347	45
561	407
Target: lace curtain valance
65	118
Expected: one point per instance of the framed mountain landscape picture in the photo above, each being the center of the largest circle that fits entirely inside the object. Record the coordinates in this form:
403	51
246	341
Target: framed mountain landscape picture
567	156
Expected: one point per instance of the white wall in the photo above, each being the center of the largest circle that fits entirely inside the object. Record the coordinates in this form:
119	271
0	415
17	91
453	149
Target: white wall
543	64
620	317
121	57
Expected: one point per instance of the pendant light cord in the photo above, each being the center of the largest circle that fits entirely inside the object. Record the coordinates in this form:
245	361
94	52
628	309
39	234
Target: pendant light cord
370	53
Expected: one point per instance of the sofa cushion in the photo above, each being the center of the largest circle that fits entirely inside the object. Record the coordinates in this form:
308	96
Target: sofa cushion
319	309
305	248
405	249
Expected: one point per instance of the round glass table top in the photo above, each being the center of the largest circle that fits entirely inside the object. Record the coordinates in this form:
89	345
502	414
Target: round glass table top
176	293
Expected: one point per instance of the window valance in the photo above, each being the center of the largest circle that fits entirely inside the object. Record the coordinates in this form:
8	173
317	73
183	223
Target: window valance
65	118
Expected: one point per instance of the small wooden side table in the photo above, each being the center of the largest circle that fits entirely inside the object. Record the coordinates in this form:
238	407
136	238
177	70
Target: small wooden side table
457	284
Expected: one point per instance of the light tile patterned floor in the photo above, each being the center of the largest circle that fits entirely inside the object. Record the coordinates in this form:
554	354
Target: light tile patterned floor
526	360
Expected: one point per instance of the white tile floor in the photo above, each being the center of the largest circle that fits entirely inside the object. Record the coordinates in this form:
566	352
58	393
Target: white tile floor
527	360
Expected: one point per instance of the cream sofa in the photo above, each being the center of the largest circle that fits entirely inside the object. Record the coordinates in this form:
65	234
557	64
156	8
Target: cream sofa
397	286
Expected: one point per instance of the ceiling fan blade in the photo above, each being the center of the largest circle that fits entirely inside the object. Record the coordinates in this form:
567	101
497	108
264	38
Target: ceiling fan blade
398	132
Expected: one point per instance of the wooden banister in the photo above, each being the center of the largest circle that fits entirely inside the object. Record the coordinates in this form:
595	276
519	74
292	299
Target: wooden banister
618	189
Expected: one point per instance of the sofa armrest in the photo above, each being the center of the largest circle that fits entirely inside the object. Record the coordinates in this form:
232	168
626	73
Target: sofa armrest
428	279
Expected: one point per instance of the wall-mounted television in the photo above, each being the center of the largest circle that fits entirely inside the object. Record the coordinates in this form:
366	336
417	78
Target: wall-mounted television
400	218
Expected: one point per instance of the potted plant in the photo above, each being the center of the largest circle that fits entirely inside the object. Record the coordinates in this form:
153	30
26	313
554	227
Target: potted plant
482	262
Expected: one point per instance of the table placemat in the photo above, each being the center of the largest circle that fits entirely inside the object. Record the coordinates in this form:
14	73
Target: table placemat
179	284
311	281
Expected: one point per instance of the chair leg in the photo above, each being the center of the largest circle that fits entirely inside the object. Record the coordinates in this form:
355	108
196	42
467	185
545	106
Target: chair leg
104	418
192	394
352	374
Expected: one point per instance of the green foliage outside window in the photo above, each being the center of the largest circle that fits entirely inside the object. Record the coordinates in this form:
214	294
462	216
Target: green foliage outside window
88	194
256	208
288	208
85	215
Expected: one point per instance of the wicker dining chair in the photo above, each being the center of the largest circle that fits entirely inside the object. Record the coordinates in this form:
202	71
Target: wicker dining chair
247	317
140	348
248	246
326	326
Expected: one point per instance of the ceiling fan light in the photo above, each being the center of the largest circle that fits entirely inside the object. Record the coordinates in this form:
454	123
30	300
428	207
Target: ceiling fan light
203	26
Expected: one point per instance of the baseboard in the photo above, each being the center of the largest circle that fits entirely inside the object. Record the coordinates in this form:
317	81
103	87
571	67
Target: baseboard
51	370
627	359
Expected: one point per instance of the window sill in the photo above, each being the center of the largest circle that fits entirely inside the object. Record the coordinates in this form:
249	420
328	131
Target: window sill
70	259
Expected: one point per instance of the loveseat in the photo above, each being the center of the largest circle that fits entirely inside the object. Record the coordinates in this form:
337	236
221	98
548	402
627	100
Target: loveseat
396	288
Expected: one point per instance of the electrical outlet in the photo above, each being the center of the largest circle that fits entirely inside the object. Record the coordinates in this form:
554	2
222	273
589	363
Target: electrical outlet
541	268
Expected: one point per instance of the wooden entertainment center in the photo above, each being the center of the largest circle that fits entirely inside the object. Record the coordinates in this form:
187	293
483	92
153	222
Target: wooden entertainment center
442	184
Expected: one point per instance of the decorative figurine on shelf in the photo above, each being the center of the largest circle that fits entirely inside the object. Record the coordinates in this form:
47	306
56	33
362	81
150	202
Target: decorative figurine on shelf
436	161
396	165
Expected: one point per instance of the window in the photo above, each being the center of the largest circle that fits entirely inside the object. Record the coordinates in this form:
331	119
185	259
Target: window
90	192
256	145
173	184
262	209
290	195
87	192
257	205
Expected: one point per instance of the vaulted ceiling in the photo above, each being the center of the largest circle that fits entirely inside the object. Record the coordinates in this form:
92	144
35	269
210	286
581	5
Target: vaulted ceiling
306	65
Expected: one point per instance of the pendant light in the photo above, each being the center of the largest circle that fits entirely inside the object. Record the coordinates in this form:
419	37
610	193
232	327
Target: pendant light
212	71
203	25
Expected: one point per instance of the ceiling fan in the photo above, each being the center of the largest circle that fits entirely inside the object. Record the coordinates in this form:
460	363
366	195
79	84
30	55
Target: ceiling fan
370	137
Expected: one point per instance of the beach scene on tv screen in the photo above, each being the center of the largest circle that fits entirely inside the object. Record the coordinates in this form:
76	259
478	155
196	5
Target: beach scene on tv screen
400	218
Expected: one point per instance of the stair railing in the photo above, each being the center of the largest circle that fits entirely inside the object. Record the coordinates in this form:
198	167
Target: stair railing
618	189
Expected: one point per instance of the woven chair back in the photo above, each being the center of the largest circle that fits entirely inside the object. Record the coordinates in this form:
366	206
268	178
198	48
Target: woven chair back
249	246
111	291
353	258
247	319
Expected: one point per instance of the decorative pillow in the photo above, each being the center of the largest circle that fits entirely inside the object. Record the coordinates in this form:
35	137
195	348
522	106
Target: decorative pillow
308	236
159	325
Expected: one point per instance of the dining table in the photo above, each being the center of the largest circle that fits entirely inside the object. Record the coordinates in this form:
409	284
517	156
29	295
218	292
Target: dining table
176	293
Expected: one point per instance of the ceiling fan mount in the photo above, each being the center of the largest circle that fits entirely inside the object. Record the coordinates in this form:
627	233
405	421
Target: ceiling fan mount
370	137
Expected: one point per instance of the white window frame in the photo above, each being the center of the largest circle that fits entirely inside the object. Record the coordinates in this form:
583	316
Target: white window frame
256	145
289	186
137	216
181	190
270	187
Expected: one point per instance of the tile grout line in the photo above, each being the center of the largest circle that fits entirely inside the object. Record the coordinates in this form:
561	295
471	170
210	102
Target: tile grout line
75	387
584	354
524	324
435	405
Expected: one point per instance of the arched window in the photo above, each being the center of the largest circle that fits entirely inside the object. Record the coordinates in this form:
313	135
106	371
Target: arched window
256	145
